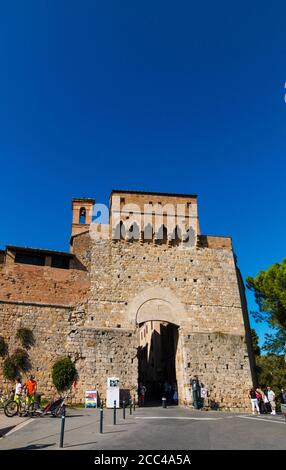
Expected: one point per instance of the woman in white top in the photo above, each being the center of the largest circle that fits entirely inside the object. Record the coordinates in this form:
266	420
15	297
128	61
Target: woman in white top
18	391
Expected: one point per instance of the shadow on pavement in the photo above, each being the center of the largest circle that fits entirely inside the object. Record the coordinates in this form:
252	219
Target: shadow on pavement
113	432
80	444
4	431
34	446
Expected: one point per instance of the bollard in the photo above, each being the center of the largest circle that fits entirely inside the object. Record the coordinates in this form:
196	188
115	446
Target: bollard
130	408
63	419
164	402
123	407
101	419
114	412
134	403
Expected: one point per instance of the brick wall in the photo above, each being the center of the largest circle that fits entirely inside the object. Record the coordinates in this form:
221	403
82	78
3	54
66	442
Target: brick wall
43	284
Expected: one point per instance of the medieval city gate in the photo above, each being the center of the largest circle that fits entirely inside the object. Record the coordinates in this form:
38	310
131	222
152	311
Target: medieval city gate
158	319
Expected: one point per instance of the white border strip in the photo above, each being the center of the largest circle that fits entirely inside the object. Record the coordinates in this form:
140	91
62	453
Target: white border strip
176	417
17	427
263	419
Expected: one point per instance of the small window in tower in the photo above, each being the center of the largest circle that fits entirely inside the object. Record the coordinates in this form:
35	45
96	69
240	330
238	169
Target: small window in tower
82	215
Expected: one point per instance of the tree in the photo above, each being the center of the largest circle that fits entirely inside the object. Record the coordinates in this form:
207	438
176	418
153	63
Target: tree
20	358
63	373
10	370
255	345
3	347
269	288
26	337
271	372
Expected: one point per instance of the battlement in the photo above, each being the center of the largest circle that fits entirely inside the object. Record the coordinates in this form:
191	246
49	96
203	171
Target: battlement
139	215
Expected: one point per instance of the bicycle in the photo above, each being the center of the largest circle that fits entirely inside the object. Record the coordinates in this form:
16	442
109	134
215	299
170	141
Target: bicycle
54	408
16	406
3	400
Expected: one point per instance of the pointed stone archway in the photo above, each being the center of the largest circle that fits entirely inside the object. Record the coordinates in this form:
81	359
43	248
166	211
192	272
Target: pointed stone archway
157	304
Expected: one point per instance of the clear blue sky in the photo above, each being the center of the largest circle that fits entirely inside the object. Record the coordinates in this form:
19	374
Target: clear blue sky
158	95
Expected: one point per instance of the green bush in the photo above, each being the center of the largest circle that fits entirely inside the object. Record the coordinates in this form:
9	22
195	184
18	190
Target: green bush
26	337
63	373
3	347
20	358
10	370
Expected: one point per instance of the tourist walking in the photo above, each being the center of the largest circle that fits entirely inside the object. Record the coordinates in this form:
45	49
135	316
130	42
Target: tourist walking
271	398
254	402
262	400
196	391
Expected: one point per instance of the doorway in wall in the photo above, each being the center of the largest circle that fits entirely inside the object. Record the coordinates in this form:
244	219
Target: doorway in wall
158	342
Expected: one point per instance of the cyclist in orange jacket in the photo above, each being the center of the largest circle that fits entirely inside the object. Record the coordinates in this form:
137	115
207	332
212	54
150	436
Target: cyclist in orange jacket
31	388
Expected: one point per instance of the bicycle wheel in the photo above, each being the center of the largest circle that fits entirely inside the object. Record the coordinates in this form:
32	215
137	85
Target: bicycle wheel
11	408
57	413
34	409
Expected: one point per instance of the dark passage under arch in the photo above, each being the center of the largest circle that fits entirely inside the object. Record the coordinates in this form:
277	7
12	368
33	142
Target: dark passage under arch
157	361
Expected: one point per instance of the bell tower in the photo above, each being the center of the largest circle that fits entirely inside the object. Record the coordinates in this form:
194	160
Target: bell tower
81	214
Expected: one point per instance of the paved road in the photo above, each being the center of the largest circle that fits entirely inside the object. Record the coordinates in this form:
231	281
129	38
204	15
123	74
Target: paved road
152	428
6	424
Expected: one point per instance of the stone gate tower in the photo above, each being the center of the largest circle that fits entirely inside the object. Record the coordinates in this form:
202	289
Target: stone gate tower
141	293
182	278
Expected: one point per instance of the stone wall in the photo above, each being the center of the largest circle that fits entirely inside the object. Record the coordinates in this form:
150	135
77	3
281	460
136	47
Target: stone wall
23	282
202	279
222	364
197	289
92	311
59	331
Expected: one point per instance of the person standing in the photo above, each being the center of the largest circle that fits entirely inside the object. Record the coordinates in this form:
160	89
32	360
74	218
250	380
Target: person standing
283	396
196	391
254	402
175	394
262	400
18	392
142	393
271	398
31	388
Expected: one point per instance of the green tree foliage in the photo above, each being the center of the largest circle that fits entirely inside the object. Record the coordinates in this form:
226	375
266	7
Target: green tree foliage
255	345
26	337
3	347
10	370
20	358
63	373
269	288
271	372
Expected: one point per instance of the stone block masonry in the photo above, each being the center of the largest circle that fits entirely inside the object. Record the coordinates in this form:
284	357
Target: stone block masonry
93	309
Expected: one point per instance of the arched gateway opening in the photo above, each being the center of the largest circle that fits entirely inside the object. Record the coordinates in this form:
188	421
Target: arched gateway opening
158	317
157	351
